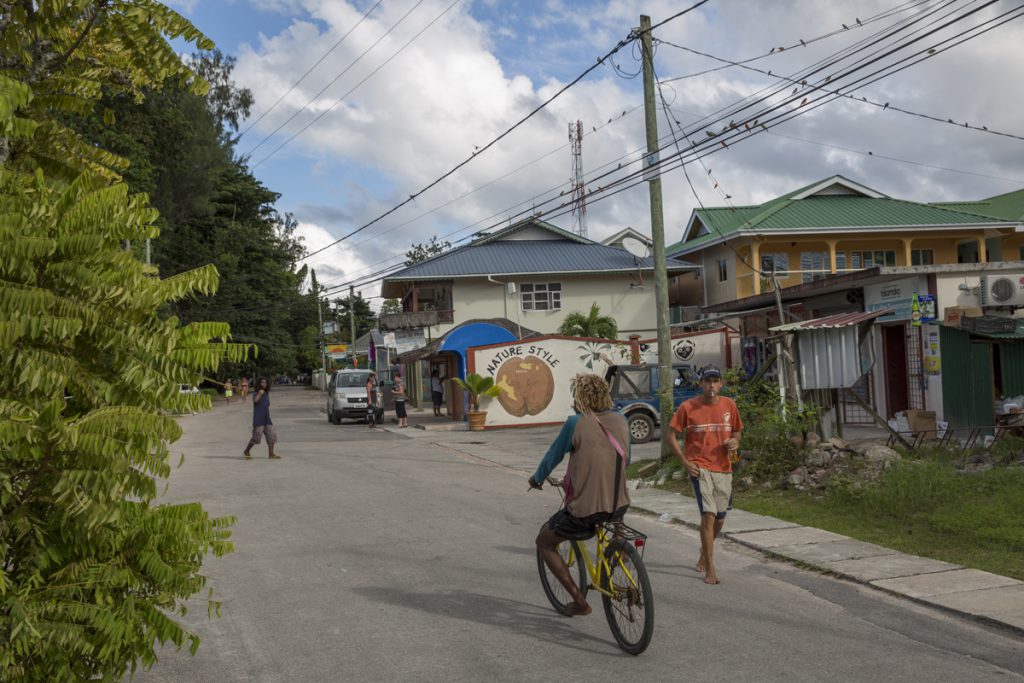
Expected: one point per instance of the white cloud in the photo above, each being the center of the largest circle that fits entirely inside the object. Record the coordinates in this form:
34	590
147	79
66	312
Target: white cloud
450	91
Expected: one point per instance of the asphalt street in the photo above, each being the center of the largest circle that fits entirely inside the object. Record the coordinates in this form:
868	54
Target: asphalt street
408	555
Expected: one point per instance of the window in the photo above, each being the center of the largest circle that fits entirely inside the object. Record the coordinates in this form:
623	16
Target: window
1021	254
777	263
541	297
840	261
870	259
814	264
922	257
723	270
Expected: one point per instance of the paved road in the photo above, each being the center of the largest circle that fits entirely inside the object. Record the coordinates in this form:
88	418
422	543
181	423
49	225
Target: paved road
407	555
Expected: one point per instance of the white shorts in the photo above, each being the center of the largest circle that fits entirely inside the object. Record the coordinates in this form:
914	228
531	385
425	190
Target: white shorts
713	491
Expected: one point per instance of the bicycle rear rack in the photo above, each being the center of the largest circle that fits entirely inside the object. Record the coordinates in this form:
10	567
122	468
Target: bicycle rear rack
622	532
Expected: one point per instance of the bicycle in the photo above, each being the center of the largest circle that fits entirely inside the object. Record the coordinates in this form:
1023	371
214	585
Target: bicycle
618	575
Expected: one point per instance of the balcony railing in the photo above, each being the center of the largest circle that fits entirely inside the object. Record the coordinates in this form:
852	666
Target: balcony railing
409	320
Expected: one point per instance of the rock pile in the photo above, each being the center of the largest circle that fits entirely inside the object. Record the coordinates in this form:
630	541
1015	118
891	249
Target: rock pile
826	459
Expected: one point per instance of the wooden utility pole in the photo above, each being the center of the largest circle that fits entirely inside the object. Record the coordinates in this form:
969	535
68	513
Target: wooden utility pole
652	174
352	323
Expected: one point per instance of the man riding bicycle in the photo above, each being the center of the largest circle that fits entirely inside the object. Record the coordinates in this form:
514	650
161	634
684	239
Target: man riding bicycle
597	440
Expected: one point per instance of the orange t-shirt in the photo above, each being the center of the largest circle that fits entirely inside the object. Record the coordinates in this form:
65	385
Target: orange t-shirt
707	426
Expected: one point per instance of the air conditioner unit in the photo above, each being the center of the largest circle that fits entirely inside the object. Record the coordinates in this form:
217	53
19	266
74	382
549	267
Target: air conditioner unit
1002	289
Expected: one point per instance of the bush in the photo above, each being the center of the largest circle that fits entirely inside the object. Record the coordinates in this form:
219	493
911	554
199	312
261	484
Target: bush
767	429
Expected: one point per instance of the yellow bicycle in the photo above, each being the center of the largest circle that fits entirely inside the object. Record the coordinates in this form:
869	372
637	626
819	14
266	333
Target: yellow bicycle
618	575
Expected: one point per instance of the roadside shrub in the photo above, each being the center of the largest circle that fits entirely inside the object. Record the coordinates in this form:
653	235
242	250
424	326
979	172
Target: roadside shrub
767	428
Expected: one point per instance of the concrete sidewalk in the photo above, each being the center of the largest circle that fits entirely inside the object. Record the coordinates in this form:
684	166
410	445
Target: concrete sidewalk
990	598
994	599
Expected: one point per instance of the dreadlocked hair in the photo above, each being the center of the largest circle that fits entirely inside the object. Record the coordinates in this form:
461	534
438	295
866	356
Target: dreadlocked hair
591	393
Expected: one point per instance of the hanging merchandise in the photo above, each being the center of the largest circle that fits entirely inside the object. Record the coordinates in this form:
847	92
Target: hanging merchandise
915	311
926	302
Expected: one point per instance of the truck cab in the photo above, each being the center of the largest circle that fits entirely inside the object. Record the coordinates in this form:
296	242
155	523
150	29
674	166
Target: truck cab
635	394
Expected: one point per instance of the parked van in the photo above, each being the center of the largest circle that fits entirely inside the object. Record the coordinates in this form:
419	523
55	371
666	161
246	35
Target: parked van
635	395
346	395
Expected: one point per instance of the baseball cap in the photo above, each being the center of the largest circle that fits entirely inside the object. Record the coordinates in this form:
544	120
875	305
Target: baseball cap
709	371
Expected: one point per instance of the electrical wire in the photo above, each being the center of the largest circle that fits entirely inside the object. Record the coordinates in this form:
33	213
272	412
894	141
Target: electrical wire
622	43
351	90
310	69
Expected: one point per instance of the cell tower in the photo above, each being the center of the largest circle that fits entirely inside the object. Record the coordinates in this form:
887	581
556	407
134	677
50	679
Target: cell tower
579	194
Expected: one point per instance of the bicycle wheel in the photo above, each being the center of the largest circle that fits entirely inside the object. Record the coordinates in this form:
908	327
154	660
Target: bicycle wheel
557	595
630	608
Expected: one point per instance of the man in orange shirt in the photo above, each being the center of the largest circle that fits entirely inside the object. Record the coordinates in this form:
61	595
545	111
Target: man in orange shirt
712	429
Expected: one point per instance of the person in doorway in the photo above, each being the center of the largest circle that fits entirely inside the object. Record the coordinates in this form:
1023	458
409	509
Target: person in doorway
243	388
436	392
262	425
371	400
712	427
229	390
399	396
597	440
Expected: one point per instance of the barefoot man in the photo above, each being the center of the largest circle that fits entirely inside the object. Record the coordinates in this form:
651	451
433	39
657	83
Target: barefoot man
712	429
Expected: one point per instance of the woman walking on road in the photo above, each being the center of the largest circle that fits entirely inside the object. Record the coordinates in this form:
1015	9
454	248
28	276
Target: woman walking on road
261	423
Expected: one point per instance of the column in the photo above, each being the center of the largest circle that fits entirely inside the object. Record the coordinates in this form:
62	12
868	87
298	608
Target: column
832	256
755	263
982	251
907	255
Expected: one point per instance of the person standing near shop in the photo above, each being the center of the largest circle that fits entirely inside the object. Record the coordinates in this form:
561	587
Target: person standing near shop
436	392
262	425
399	396
712	427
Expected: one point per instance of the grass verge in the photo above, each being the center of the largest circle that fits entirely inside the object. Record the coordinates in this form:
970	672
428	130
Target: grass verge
922	506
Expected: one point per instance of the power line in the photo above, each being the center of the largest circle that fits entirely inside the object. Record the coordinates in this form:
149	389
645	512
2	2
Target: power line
864	100
699	153
630	38
804	43
335	80
310	70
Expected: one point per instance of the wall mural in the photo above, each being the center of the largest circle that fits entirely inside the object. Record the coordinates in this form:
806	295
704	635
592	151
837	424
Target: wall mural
528	386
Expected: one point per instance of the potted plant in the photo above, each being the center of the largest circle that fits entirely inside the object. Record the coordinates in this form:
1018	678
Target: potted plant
478	387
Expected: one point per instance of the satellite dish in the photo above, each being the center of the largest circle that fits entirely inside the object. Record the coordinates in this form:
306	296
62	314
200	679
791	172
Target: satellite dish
636	247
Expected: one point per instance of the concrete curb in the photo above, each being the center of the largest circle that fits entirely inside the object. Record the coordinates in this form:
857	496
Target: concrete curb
987	598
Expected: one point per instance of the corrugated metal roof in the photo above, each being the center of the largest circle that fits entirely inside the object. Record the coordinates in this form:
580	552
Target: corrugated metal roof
514	257
843	211
847	211
832	321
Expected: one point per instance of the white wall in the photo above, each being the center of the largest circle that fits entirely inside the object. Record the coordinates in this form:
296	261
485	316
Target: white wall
632	308
719	292
535	375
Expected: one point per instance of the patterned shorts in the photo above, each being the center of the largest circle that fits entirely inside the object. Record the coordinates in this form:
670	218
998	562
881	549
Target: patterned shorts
258	432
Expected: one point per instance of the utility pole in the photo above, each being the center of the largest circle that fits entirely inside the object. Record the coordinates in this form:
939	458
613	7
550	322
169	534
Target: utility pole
352	323
653	177
323	346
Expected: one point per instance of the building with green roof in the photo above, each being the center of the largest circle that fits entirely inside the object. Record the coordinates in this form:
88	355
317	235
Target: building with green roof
837	226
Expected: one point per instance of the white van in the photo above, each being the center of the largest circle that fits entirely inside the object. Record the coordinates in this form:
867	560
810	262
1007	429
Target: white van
346	395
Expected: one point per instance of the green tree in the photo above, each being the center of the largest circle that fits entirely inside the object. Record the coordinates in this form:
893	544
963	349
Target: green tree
390	306
92	569
592	325
366	319
421	252
212	210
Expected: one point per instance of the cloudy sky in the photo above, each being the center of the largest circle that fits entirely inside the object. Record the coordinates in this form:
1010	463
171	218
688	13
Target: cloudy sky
416	86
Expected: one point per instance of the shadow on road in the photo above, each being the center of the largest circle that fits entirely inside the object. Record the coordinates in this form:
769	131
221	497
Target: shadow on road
521	617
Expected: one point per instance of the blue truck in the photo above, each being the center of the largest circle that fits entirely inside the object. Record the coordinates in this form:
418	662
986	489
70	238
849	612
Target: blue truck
635	395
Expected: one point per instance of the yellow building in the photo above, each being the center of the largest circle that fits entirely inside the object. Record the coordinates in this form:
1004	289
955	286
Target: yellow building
836	226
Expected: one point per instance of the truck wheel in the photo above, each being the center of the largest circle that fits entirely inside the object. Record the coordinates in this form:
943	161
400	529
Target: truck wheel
641	428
